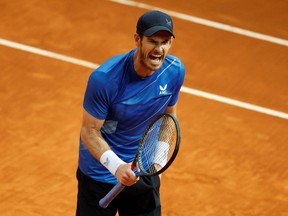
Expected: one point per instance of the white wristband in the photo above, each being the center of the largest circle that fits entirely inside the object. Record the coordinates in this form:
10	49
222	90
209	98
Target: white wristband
111	161
161	153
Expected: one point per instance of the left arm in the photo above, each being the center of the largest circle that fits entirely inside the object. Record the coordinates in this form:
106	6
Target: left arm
171	110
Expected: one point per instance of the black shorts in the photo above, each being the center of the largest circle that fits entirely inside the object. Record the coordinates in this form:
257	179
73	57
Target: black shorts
141	199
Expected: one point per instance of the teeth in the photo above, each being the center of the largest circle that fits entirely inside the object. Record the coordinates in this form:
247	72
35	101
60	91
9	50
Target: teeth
158	57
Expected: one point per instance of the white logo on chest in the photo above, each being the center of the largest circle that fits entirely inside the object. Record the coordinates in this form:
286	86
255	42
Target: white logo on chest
163	89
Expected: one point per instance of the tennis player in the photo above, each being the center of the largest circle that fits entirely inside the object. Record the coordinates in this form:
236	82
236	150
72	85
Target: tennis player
122	97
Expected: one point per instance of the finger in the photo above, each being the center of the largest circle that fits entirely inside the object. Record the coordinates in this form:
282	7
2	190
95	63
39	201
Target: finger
137	167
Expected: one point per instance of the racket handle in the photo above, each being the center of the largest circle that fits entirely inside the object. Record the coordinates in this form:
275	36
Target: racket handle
105	201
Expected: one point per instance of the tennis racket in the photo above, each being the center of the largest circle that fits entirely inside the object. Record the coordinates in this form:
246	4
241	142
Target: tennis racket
157	150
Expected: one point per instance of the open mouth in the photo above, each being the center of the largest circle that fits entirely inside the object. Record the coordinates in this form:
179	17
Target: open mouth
155	58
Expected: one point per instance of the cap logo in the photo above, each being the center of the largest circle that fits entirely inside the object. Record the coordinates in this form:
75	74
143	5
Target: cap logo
168	22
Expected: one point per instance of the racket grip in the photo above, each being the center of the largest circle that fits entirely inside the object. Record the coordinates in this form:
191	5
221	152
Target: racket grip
105	201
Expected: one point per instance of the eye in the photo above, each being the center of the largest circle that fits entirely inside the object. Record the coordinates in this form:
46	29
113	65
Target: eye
165	42
153	41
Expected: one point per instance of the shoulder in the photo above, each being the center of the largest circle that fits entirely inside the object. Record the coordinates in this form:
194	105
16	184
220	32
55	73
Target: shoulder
110	70
174	66
175	63
113	63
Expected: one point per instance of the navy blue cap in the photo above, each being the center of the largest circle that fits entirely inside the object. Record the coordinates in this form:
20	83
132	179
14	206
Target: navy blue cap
154	21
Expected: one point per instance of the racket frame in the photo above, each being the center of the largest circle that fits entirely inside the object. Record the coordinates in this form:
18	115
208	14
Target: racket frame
105	201
141	146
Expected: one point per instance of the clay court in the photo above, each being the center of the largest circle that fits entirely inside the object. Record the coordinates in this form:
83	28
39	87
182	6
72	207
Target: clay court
233	108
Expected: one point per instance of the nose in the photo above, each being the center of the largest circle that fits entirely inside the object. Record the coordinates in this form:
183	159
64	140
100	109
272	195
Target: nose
159	48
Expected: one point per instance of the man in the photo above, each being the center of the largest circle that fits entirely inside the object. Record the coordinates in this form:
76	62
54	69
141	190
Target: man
123	95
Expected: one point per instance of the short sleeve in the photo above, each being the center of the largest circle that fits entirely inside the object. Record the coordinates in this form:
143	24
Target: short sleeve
96	98
178	84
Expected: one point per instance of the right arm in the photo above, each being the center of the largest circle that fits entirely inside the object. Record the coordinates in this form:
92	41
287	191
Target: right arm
97	146
91	136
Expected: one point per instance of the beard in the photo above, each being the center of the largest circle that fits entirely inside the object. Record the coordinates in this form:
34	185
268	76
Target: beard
152	61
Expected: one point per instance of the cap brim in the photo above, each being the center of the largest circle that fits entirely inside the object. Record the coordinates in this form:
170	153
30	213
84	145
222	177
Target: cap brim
151	31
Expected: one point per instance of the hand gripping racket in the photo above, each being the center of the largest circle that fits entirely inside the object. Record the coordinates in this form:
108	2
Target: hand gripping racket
157	150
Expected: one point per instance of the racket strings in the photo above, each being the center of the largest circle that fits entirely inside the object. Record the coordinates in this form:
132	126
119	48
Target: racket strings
158	145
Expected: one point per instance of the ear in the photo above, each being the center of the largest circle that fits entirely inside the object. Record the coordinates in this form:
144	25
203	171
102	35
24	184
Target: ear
171	40
137	39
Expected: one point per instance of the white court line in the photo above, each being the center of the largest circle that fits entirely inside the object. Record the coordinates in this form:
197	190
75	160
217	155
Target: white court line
47	53
233	102
183	89
209	23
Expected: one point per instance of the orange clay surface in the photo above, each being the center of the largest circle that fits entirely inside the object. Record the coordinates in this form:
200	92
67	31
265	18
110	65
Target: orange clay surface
232	161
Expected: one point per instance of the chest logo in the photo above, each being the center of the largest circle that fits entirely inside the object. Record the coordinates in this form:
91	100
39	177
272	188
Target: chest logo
163	89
